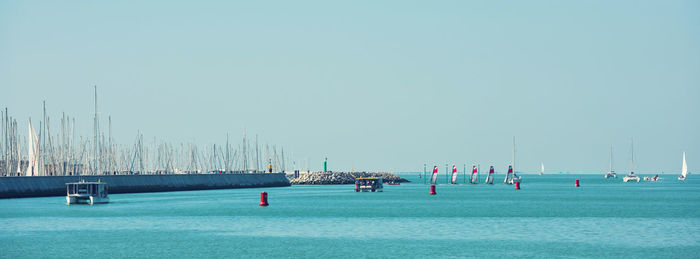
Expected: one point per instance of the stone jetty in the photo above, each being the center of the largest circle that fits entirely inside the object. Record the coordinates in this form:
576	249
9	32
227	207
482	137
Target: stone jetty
340	177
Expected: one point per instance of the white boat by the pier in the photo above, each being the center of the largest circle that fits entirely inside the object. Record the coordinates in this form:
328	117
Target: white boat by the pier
86	192
684	170
369	184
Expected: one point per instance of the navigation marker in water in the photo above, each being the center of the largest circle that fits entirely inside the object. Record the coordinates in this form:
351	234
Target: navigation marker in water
263	199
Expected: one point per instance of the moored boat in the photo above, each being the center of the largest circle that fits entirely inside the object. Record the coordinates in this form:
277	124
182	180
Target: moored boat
369	184
86	193
631	177
611	173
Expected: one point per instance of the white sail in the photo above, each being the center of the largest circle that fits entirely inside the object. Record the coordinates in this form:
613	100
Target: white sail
433	177
542	169
684	169
33	151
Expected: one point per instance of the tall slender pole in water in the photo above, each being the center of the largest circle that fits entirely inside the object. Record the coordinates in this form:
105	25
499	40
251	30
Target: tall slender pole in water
447	174
424	165
465	173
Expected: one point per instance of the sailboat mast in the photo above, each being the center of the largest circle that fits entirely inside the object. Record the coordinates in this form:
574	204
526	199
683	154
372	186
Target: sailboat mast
632	155
513	154
257	155
611	157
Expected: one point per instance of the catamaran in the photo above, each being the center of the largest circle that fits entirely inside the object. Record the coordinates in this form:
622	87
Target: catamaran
611	173
489	178
454	174
474	179
511	176
684	170
509	179
433	178
631	176
86	192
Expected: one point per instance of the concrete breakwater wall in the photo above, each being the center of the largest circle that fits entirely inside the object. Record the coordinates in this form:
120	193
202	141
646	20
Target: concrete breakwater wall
341	177
37	186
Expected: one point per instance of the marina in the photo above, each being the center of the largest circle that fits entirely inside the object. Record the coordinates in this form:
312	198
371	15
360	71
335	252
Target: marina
306	129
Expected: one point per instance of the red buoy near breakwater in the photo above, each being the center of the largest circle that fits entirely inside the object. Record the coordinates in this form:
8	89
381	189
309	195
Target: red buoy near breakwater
576	184
263	199
517	185
432	189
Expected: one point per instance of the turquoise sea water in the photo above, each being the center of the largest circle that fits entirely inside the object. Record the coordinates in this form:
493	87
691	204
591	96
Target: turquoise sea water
547	218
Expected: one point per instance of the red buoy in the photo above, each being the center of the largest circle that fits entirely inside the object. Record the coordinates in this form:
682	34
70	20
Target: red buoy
263	199
517	185
432	189
577	185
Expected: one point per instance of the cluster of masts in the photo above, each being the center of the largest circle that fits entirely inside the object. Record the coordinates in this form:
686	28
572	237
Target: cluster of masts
63	153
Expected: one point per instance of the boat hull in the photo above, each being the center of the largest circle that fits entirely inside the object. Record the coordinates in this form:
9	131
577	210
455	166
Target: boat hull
85	200
631	179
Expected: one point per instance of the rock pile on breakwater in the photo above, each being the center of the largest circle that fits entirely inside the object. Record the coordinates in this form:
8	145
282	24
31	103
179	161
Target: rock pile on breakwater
341	177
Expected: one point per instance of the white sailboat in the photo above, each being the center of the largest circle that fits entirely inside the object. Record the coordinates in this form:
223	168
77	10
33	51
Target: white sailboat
511	176
33	152
611	173
474	179
489	178
454	174
433	178
542	169
684	170
509	179
631	176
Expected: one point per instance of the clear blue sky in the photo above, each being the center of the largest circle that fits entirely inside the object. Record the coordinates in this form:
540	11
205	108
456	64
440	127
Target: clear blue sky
378	85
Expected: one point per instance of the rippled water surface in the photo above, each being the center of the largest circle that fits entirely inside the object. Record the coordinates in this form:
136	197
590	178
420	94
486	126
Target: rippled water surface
548	218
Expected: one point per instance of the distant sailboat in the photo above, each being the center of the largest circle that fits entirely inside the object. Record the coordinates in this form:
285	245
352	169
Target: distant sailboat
33	152
684	170
433	178
509	179
454	174
489	178
611	173
511	176
542	169
631	176
474	179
